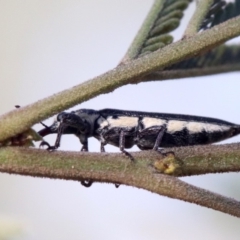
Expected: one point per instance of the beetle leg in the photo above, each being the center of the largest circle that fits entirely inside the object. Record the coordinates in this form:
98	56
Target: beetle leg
58	139
121	133
44	143
103	142
84	145
102	147
159	138
84	148
59	135
84	141
122	145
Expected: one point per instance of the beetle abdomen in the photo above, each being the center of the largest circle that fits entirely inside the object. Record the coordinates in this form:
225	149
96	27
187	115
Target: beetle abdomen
184	133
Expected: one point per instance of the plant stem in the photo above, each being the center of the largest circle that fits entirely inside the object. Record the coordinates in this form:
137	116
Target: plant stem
21	119
116	168
190	73
197	18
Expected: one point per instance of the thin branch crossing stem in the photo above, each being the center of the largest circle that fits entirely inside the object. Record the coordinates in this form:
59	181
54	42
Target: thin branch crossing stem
14	122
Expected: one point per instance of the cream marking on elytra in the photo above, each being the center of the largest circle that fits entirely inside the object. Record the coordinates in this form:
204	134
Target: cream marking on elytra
107	124
175	126
102	122
195	127
150	122
215	128
123	122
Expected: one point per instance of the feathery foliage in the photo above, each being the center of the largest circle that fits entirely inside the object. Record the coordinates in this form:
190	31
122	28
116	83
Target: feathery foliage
219	12
168	20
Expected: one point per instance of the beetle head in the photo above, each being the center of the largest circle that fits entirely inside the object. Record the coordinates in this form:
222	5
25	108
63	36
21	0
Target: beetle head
72	123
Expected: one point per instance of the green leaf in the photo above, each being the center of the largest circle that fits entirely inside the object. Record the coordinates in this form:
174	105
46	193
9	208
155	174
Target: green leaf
168	20
220	12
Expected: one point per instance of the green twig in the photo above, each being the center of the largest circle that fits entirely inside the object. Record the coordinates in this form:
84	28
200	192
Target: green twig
21	119
116	168
186	161
190	73
197	18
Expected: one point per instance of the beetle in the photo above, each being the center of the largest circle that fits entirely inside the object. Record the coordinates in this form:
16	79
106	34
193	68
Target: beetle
147	130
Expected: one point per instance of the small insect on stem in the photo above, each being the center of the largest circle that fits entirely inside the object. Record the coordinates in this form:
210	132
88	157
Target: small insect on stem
147	130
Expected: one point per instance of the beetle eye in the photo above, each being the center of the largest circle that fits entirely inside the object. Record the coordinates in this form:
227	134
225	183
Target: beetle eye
60	116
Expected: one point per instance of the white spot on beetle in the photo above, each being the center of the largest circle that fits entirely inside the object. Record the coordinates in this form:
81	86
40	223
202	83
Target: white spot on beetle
150	122
175	126
102	122
124	122
195	127
215	128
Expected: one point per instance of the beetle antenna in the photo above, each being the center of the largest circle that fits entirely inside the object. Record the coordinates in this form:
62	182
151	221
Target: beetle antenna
43	124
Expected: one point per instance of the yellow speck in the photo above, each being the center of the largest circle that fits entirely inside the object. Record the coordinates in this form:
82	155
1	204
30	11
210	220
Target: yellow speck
168	164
